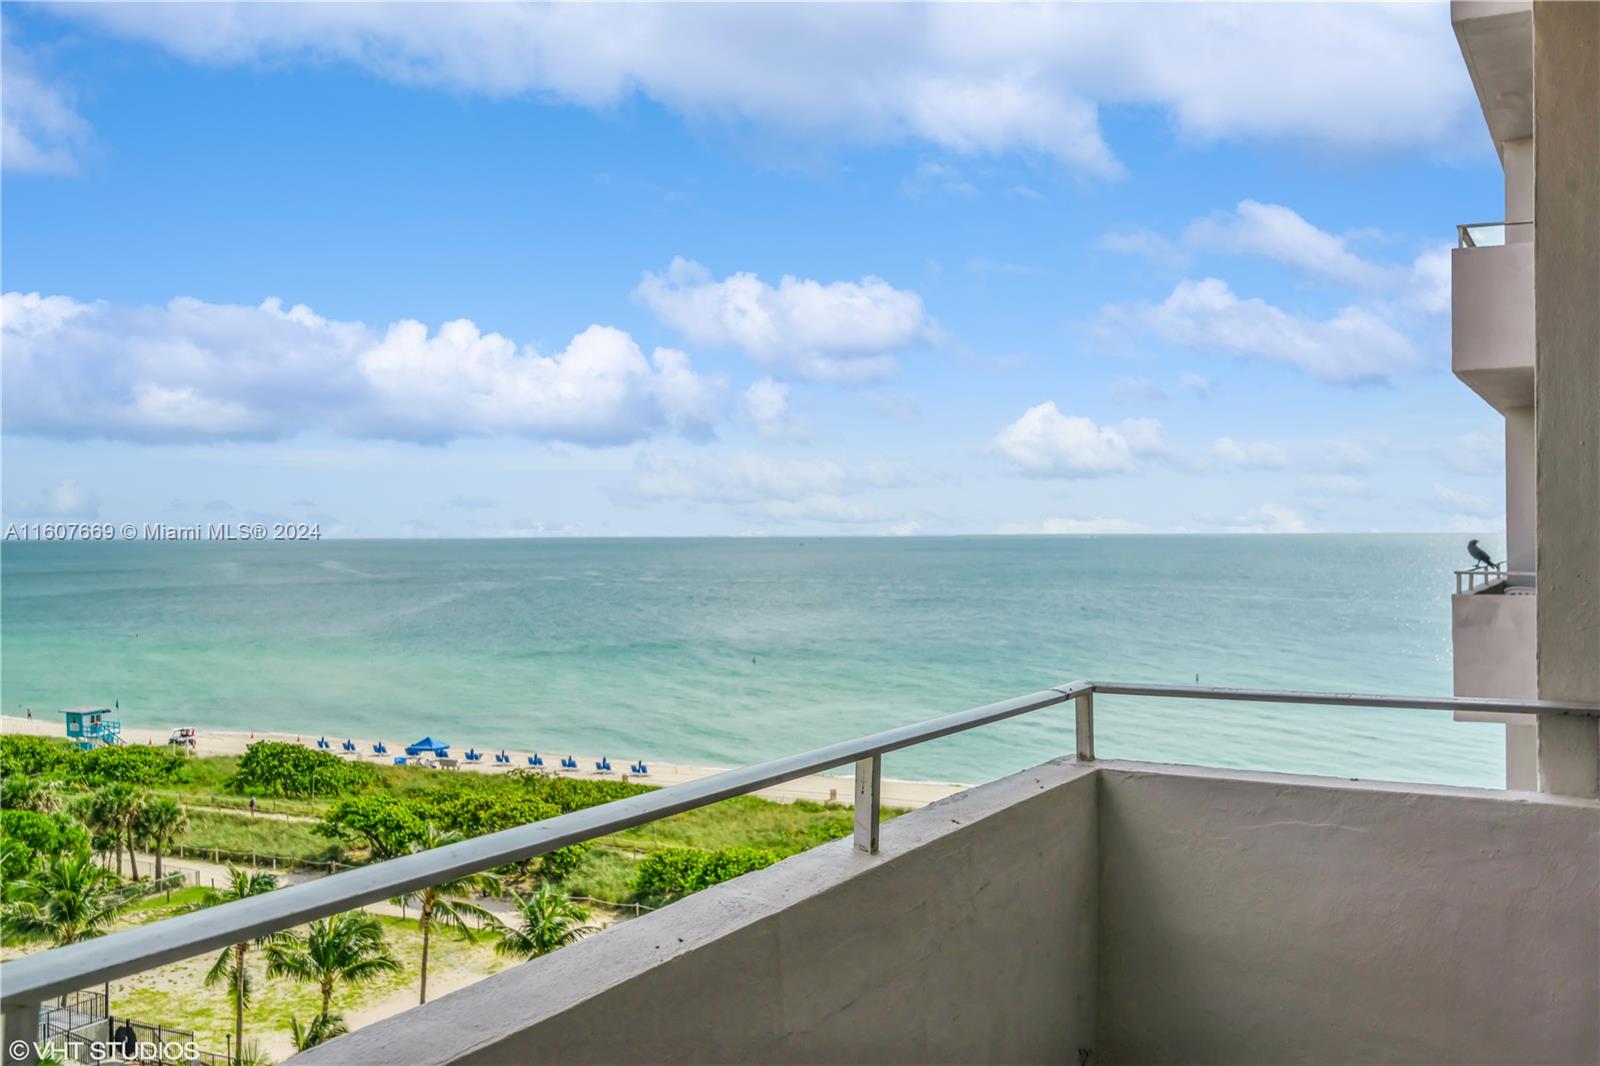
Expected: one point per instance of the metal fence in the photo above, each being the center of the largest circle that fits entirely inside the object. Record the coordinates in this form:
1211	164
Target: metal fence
28	982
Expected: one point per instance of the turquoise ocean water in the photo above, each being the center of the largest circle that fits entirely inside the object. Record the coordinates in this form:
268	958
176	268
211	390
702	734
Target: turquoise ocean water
722	652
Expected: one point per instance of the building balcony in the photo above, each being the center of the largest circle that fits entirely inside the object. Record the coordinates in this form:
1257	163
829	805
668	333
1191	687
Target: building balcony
1491	313
1494	619
1081	911
1496	41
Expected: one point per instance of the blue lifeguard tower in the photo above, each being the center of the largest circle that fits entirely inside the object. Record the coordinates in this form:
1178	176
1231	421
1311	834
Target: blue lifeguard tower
92	727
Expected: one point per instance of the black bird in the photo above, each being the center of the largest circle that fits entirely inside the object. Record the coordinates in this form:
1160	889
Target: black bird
1480	556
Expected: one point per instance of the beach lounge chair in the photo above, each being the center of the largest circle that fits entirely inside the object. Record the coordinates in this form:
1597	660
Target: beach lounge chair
569	763
322	742
604	765
474	756
379	749
399	760
503	757
534	760
639	768
349	745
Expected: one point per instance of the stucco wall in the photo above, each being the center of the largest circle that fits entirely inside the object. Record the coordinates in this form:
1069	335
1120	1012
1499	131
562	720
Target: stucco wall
1263	918
969	938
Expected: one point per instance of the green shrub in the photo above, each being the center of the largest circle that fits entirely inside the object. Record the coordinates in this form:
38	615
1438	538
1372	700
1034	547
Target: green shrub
136	765
388	825
674	872
44	834
31	756
569	794
273	768
474	812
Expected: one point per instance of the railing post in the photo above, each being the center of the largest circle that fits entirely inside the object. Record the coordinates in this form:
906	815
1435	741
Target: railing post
869	797
1084	704
21	1033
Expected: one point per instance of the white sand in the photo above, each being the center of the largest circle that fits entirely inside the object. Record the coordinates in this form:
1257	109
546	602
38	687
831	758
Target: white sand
819	788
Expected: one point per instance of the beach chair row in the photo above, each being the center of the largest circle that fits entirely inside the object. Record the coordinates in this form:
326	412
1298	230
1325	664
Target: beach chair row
428	748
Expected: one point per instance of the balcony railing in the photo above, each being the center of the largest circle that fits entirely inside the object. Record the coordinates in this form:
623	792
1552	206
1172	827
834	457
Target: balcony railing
1489	234
1480	579
29	982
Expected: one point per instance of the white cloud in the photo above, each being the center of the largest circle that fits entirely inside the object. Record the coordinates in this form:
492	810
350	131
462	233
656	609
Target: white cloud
965	79
1069	526
1046	443
842	330
39	130
65	499
1135	390
1465	503
1268	518
1353	346
1250	455
765	407
197	370
1144	243
1196	385
764	488
1482	453
1337	485
1278	233
1282	235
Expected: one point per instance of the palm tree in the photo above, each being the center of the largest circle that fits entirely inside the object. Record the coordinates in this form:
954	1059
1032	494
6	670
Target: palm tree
31	794
111	811
230	967
68	898
546	920
446	905
346	947
322	1027
157	822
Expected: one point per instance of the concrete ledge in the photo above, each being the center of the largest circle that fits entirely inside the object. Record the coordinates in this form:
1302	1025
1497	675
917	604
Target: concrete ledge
969	937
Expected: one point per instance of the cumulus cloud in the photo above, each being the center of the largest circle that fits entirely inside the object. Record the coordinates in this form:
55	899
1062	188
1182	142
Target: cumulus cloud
1196	385
759	486
1352	346
39	130
195	370
841	330
965	79
1250	455
764	406
1279	233
1046	443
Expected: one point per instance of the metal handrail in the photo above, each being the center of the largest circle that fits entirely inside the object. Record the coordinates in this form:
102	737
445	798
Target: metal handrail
1480	579
29	981
1466	239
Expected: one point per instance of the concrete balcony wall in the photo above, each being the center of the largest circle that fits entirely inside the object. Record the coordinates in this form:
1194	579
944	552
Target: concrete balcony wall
1491	322
1145	913
1495	642
969	938
1268	918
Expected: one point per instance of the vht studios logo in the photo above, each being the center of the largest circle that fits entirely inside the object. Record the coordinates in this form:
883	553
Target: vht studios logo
102	1051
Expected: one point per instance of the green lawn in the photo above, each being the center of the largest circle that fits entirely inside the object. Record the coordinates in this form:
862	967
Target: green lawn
241	834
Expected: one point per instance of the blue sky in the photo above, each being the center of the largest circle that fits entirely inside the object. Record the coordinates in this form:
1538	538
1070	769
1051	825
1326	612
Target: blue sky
738	270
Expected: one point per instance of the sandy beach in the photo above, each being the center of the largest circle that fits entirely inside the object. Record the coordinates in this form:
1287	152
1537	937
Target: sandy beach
818	788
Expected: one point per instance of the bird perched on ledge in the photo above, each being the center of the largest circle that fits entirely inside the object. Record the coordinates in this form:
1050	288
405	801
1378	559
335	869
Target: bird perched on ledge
1479	556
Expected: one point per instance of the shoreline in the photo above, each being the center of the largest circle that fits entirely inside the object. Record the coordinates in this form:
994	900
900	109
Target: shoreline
818	788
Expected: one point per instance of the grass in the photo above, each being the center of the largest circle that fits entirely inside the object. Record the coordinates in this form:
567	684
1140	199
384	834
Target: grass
241	834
